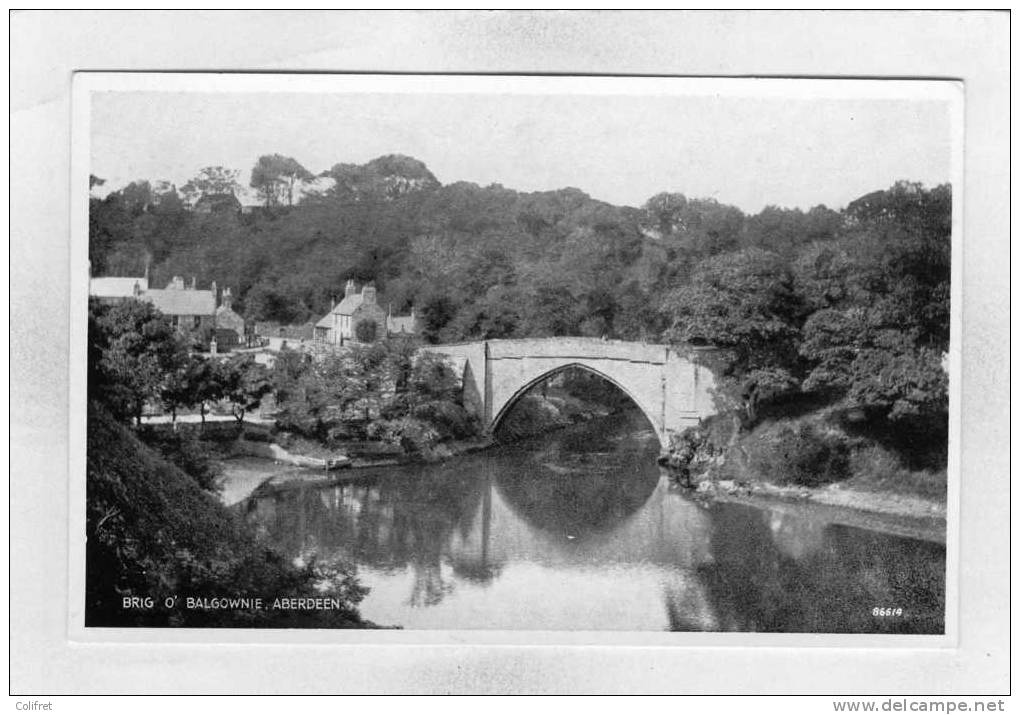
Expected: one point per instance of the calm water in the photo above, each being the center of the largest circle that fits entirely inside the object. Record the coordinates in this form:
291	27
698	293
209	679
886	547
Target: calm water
581	530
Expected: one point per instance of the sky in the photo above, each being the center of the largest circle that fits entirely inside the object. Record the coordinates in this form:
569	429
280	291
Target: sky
749	151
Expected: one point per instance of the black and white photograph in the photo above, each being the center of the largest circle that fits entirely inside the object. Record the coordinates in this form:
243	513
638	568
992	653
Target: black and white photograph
510	352
519	354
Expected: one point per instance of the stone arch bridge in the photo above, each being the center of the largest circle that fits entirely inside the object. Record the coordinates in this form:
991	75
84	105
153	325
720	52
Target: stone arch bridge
666	384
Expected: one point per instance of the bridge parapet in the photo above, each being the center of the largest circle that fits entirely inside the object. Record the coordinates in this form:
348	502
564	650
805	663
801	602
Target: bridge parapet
578	348
671	390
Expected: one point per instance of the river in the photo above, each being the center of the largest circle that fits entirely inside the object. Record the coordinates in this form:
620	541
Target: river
581	530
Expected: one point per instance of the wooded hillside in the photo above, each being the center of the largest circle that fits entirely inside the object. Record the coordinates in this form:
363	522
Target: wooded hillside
853	303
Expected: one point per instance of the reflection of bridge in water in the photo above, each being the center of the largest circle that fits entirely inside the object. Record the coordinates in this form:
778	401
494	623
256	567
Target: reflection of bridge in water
615	543
553	534
668	386
666	531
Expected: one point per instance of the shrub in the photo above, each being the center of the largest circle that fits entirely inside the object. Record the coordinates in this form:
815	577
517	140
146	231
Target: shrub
450	419
366	331
414	436
800	454
193	456
151	531
877	468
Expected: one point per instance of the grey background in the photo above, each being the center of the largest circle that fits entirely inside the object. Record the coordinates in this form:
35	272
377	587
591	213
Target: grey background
46	47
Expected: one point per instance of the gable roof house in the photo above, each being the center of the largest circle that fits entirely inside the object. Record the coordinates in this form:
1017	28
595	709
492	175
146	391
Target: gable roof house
188	308
340	325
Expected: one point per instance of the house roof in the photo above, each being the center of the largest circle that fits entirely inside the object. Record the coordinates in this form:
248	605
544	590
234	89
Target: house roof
270	329
174	301
227	318
116	287
349	304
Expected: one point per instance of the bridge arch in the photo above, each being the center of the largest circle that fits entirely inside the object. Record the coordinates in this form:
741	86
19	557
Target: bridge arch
670	387
501	411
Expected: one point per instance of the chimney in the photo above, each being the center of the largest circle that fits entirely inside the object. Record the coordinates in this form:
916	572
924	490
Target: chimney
368	293
146	274
228	298
332	303
350	288
215	295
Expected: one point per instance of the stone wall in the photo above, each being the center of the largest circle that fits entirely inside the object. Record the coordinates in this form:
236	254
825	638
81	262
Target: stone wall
672	390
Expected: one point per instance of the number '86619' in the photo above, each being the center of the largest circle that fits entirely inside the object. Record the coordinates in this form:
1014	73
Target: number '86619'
886	612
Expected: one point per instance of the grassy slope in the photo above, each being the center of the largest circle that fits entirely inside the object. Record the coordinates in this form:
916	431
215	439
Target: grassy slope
152	531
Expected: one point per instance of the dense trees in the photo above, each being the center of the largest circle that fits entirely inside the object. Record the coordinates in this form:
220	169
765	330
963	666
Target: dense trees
386	390
133	352
856	308
744	304
244	382
137	359
388	176
274	176
882	292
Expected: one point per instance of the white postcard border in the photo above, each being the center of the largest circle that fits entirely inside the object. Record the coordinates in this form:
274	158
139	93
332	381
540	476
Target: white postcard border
87	83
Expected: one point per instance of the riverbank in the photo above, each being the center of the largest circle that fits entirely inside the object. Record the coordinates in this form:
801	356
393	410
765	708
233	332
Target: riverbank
289	457
900	515
814	459
535	414
251	465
